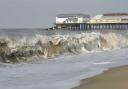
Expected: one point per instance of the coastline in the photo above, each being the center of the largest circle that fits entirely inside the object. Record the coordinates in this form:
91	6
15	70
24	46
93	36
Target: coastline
115	78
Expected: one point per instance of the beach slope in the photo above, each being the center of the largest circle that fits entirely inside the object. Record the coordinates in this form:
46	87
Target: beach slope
116	78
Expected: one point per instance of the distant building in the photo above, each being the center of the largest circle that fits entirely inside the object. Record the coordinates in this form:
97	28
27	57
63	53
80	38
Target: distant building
110	18
72	18
71	21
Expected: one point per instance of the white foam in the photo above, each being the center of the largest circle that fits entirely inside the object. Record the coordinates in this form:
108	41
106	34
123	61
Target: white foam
101	63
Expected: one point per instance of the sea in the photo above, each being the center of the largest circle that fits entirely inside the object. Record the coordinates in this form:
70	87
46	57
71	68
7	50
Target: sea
58	59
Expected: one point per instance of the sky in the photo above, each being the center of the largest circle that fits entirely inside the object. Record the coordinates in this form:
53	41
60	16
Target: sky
42	13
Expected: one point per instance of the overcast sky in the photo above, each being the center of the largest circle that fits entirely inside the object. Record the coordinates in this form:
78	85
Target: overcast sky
41	13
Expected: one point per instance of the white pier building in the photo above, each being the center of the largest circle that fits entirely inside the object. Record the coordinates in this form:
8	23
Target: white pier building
71	21
110	18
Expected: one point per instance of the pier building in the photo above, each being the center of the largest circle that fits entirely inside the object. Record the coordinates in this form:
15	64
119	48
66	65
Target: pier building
72	21
84	22
109	21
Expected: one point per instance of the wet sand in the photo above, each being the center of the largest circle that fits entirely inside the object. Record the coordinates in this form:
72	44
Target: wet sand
116	78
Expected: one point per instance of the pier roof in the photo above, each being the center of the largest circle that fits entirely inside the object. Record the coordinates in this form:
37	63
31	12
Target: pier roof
115	14
111	16
73	15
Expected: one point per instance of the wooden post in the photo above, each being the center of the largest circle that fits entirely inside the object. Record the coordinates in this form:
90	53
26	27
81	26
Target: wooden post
127	25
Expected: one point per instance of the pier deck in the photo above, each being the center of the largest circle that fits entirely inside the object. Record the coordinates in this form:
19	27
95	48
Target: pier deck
92	26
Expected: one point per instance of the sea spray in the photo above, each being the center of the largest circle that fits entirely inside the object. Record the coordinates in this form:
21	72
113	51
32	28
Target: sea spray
14	50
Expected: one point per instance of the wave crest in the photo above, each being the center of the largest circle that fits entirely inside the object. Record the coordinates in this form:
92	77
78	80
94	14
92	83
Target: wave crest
22	50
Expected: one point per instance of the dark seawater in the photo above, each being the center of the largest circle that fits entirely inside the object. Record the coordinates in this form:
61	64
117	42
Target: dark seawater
32	32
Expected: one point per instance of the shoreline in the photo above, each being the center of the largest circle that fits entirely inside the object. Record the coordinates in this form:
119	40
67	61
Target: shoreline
114	78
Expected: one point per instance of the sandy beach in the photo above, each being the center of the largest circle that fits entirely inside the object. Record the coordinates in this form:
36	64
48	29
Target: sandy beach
116	78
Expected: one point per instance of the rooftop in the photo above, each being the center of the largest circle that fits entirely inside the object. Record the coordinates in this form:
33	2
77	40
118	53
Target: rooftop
115	14
73	15
111	16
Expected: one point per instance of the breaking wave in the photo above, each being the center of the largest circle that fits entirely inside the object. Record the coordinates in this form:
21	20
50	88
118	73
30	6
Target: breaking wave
26	49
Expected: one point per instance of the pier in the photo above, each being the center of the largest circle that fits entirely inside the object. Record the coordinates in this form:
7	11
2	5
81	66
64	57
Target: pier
102	26
117	21
93	26
73	26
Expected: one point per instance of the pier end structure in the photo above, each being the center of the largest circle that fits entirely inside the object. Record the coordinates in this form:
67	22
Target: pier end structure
117	21
109	21
73	21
